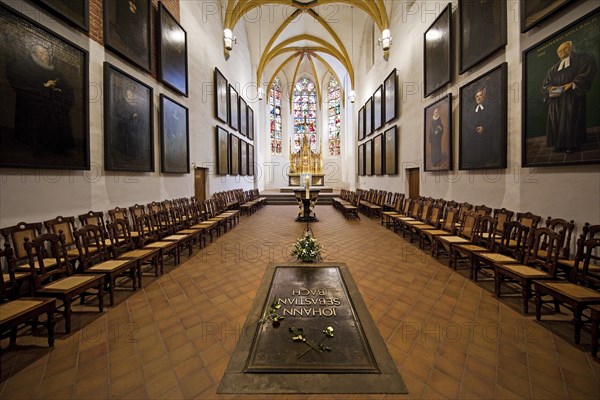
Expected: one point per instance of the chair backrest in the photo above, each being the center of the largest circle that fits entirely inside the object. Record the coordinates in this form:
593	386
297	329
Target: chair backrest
120	236
6	285
414	209
146	229
502	215
482	210
64	224
47	256
468	225
118	213
542	250
463	208
514	240
565	228
435	215
450	219
425	211
529	220
91	246
485	234
93	218
16	235
153	207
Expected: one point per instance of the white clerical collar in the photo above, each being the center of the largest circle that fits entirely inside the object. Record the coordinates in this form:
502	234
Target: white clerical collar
479	107
564	63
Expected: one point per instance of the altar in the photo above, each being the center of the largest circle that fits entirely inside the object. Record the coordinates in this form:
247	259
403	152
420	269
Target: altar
306	163
307	199
298	180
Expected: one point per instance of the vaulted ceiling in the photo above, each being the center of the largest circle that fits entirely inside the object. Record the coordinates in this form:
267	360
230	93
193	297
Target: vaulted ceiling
302	37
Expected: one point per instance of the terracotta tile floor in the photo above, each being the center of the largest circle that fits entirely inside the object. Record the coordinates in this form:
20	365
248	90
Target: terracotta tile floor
449	336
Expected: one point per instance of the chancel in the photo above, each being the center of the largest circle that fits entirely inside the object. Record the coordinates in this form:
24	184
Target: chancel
326	219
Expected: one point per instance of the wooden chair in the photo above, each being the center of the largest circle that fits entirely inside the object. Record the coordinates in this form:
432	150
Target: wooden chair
574	296
565	229
536	266
592	274
432	222
60	282
480	242
100	262
25	310
464	235
509	249
483	211
143	255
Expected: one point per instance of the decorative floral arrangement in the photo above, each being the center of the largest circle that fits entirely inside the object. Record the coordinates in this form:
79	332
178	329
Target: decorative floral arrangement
307	249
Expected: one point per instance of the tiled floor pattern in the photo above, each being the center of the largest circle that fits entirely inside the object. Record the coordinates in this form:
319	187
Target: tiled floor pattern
450	337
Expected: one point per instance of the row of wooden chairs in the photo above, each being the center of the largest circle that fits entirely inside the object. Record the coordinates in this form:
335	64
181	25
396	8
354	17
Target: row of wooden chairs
347	203
102	253
535	260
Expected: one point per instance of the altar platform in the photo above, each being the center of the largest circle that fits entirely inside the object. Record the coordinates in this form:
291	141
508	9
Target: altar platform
285	195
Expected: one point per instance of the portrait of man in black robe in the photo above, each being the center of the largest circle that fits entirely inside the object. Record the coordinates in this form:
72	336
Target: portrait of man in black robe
565	88
481	132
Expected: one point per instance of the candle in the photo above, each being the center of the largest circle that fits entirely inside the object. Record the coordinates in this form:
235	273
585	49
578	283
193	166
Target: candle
307	185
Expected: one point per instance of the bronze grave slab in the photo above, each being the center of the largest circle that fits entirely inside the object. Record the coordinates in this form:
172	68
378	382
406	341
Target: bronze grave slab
311	299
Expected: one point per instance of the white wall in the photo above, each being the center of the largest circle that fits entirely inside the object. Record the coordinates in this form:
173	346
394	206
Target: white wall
571	192
36	195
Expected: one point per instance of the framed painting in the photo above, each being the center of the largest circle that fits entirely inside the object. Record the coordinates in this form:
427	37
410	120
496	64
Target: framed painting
391	100
222	151
378	157
559	124
369	117
437	135
44	121
378	108
482	27
221	97
75	12
243	112
234	111
391	151
250	160
127	30
361	123
482	135
128	133
234	154
369	157
243	157
174	137
250	123
361	160
535	11
437	52
172	50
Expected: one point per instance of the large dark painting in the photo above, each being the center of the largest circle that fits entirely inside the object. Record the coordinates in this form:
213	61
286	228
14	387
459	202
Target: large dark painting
482	30
535	11
361	160
243	158
378	158
221	97
561	90
377	108
173	65
243	111
250	123
127	30
437	137
128	133
75	12
234	154
234	111
369	117
44	96
391	100
483	121
391	151
369	157
250	160
174	137
222	151
361	123
437	52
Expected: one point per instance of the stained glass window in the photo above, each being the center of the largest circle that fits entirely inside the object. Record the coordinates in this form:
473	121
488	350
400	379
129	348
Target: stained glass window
275	116
305	113
334	122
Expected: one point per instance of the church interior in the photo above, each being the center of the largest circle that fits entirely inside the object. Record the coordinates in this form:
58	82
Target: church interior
157	158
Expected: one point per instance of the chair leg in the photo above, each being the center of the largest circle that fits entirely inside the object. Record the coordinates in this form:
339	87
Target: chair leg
538	303
497	281
577	310
67	314
50	327
100	297
526	293
111	290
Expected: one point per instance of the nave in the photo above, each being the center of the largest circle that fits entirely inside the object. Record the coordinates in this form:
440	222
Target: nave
449	336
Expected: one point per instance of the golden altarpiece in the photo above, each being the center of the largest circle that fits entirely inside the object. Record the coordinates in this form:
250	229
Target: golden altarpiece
306	162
